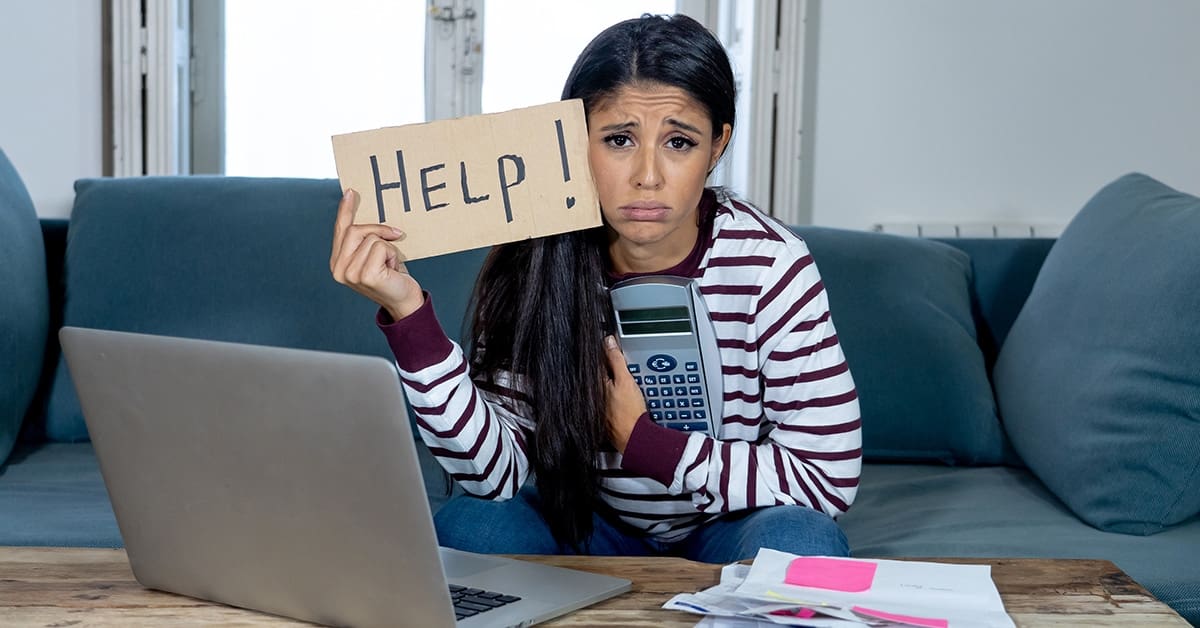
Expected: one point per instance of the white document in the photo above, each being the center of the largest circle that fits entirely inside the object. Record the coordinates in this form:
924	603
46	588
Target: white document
725	609
929	595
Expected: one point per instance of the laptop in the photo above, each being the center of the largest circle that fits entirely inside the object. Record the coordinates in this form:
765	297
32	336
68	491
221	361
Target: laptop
287	481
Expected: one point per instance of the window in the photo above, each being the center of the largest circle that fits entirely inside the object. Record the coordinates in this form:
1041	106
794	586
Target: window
300	71
520	70
294	76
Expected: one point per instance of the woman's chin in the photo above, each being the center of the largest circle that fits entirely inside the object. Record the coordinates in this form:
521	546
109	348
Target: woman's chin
641	233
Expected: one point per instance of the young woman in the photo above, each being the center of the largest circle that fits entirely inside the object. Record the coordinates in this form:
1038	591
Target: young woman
545	391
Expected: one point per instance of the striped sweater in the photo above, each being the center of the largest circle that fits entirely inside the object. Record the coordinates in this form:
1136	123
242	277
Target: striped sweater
790	430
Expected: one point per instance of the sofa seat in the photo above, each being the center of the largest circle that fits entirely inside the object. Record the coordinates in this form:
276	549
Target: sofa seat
54	495
998	511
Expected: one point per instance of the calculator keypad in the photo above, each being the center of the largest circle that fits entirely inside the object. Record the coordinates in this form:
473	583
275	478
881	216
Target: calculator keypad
673	394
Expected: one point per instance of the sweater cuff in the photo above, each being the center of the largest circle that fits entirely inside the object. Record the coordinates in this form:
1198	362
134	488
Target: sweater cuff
654	451
417	340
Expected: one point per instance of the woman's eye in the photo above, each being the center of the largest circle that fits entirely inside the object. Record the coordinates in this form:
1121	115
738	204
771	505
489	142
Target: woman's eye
680	143
618	141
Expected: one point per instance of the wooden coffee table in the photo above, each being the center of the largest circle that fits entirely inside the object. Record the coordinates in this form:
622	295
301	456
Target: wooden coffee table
94	587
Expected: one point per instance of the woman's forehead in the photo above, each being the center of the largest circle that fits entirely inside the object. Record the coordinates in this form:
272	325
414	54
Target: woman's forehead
638	100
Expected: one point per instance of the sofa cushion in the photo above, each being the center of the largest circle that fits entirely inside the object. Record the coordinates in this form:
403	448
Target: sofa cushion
907	510
224	258
1099	380
24	307
903	311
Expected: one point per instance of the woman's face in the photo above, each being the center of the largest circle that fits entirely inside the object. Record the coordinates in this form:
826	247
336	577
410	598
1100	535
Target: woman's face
651	147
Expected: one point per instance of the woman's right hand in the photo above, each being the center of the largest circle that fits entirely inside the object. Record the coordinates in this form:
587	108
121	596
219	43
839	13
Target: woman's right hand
365	259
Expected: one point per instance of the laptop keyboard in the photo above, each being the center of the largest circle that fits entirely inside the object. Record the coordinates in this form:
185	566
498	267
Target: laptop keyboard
469	602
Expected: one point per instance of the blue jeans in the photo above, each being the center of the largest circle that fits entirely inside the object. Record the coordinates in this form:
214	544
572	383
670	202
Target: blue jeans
516	526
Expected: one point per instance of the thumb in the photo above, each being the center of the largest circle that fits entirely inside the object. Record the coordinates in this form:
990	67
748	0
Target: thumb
616	357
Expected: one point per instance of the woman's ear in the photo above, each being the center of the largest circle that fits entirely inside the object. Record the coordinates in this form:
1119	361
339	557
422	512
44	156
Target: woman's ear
719	145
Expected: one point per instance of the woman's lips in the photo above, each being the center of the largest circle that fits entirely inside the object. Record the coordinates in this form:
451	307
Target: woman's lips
643	211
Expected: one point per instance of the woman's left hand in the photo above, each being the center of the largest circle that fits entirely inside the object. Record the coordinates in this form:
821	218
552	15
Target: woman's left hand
625	401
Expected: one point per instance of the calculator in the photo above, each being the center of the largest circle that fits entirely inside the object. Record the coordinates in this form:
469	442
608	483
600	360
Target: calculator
670	345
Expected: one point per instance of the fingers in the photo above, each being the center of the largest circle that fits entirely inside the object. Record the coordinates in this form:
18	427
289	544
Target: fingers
347	236
370	261
345	217
355	239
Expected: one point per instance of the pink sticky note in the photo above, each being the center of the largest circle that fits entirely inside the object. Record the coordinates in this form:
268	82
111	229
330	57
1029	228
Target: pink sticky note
835	574
902	619
802	613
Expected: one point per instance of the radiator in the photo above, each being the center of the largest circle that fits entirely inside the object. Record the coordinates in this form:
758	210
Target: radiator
969	230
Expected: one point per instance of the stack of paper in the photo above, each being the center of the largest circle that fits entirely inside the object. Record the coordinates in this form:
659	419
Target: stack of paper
823	592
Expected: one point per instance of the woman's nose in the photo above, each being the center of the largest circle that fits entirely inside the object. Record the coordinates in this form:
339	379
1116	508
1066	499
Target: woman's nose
647	175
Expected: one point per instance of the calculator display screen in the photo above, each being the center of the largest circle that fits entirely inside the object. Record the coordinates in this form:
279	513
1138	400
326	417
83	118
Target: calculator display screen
655	320
658	327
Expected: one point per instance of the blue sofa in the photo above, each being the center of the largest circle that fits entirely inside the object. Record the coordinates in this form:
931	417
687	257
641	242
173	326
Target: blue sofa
924	325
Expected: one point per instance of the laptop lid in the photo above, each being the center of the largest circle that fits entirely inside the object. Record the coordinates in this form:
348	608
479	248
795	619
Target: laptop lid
281	480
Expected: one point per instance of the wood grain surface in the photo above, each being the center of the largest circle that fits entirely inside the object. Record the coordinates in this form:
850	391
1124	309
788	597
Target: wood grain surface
57	587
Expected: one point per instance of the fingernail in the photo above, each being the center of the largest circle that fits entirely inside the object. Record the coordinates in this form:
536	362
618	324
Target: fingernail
398	232
610	342
347	193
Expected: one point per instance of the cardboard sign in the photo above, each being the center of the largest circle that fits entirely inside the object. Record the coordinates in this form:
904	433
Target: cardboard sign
460	184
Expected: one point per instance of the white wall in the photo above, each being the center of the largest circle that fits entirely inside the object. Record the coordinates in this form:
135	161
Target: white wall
51	109
943	111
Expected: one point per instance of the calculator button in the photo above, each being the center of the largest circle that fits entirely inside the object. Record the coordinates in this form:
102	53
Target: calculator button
695	390
651	392
694	426
684	403
653	404
650	379
699	414
666	391
637	379
681	391
685	414
691	366
668	403
677	378
697	403
669	415
661	363
693	378
657	416
633	368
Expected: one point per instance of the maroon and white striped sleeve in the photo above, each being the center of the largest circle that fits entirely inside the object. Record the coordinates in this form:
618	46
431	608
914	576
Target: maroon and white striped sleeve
813	456
479	436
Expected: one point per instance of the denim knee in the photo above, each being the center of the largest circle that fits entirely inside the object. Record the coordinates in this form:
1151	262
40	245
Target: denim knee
792	529
513	526
803	531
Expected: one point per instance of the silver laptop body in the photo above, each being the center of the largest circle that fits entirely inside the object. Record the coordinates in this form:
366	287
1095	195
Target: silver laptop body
285	481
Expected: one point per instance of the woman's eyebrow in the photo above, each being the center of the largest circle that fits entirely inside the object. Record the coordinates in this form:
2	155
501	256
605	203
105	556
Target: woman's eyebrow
682	125
619	126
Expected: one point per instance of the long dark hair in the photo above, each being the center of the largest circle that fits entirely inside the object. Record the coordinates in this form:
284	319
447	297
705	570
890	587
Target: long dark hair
541	306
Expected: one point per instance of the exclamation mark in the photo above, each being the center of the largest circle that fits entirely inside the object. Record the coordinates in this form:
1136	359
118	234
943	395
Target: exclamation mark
562	155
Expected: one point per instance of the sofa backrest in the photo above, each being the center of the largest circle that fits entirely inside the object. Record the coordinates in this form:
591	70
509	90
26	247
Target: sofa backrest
24	304
246	260
223	258
918	321
1003	270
